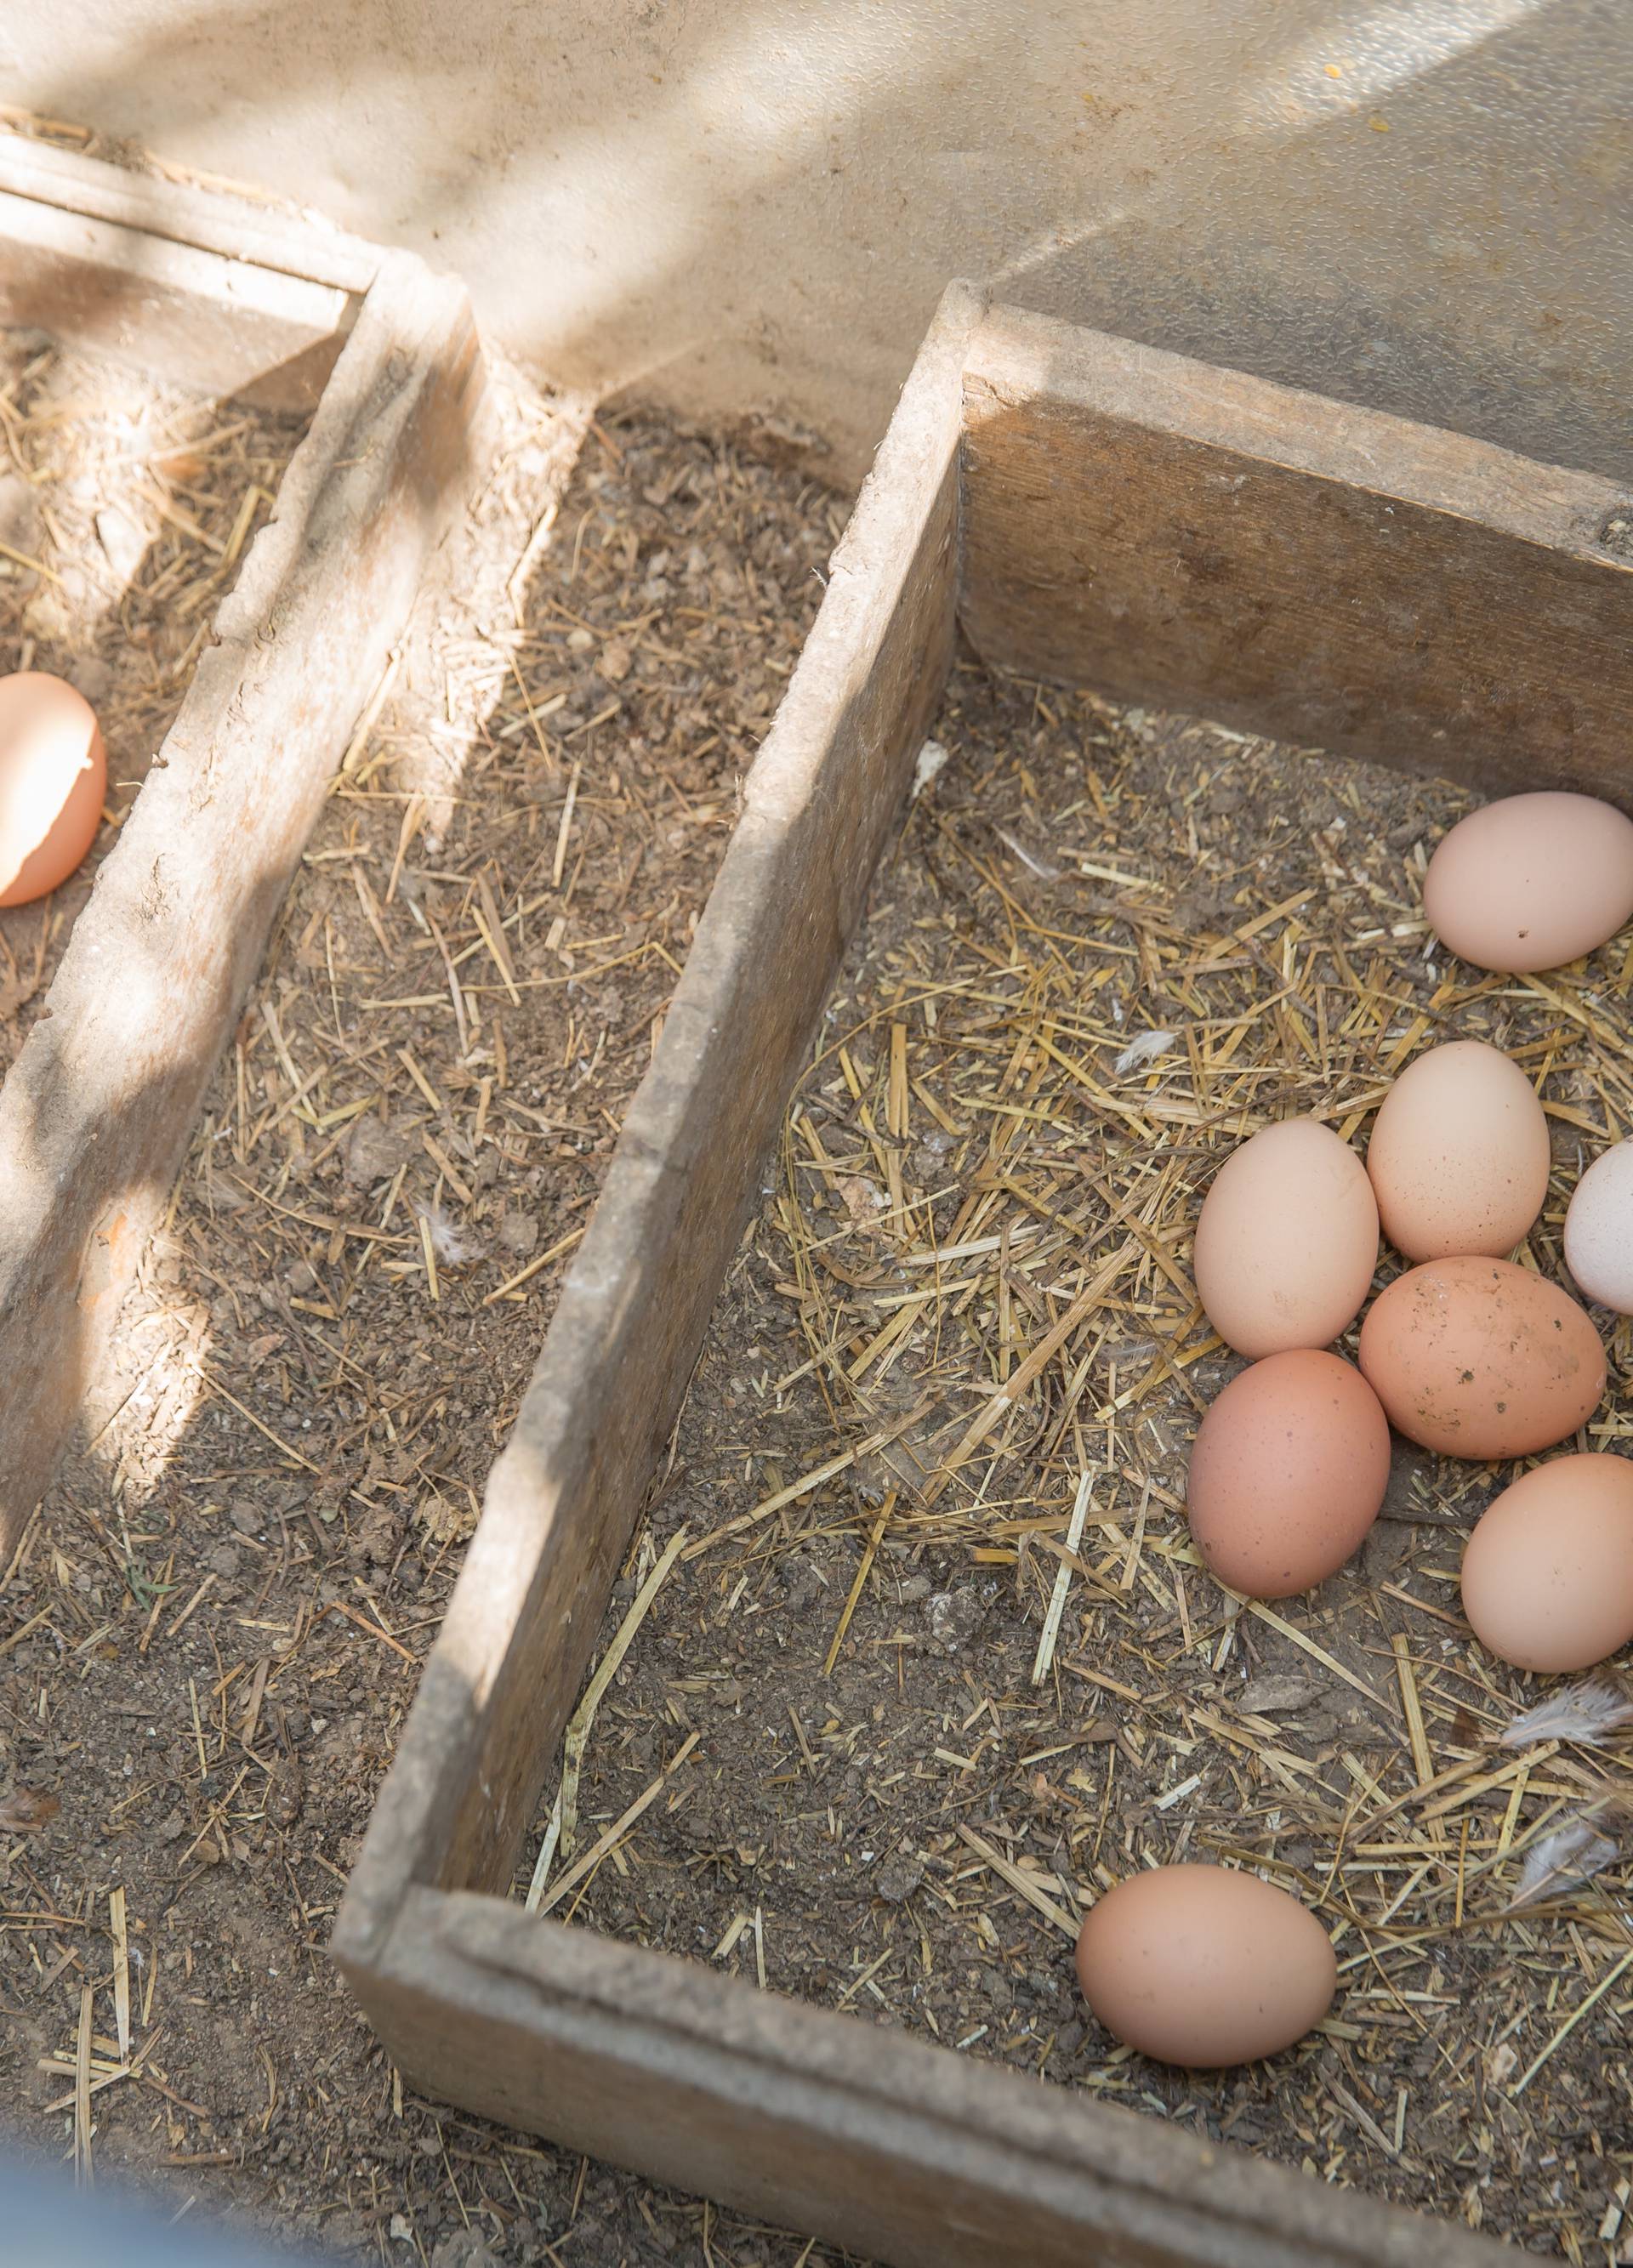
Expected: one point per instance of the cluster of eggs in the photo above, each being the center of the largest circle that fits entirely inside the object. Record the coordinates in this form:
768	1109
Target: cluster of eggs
1466	1353
53	784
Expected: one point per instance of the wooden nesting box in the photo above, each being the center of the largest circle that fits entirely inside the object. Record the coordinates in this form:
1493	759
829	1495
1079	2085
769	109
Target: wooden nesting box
1088	511
234	302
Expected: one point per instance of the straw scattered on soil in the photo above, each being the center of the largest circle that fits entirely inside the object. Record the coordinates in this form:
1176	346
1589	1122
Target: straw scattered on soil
125	507
215	1630
946	1660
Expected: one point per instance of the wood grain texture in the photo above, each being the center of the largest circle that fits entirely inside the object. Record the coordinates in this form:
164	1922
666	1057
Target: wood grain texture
239	227
1184	536
903	2151
229	328
98	1108
564	1495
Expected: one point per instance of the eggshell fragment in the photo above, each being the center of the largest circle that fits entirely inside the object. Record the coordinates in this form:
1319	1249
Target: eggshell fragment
1476	1358
53	782
1460	1154
1287	1241
1205	1967
1532	882
1547	1575
1598	1230
1288	1471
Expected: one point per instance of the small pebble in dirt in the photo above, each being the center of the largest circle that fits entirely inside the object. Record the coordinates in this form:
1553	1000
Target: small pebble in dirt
898	1877
465	2248
955	1616
224	1559
374	1150
519	1232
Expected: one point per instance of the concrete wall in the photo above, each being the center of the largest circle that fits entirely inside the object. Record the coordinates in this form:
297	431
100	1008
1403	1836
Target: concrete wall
742	204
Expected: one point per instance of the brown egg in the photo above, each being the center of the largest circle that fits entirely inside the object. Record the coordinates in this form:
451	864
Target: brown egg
1479	1359
1548	1576
53	781
1532	882
1288	1471
1204	1967
1287	1241
1460	1154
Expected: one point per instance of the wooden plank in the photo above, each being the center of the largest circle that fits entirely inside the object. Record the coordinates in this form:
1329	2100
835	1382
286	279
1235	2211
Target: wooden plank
1188	537
564	1495
855	2132
96	1111
238	227
227	328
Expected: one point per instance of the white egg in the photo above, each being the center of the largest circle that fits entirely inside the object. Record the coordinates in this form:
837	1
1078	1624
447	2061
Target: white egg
1598	1230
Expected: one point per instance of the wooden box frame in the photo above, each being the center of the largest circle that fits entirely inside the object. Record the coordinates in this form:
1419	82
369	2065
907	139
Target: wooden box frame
236	301
1089	511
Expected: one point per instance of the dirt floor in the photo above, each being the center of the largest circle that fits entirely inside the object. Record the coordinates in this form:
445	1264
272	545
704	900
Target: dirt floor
213	1631
907	1791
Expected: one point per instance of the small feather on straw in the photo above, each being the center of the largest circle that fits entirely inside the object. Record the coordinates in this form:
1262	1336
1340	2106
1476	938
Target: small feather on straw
1587	1713
449	1243
1571	1855
1143	1051
1042	867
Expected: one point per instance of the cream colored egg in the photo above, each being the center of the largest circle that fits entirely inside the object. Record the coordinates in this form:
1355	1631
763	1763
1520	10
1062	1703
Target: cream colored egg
1460	1154
1532	882
1287	1241
1598	1230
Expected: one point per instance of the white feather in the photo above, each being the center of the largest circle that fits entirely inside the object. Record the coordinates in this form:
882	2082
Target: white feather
1586	1712
1033	863
932	760
1143	1051
1573	1854
450	1243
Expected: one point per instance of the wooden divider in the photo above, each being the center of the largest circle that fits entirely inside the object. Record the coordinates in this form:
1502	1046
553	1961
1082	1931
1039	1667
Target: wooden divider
1172	534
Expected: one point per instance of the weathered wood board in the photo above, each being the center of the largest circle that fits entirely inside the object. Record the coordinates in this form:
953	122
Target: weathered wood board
851	2131
1172	534
227	328
564	1495
1111	517
98	1108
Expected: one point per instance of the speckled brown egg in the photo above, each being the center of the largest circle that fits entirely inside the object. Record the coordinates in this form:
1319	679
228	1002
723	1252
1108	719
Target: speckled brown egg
1204	1967
1548	1576
1477	1358
1287	1241
1459	1155
1532	882
1288	1471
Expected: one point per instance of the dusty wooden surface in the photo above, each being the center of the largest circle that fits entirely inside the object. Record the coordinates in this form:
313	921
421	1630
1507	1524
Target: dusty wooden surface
240	228
229	328
96	1110
1167	532
564	1495
900	2150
